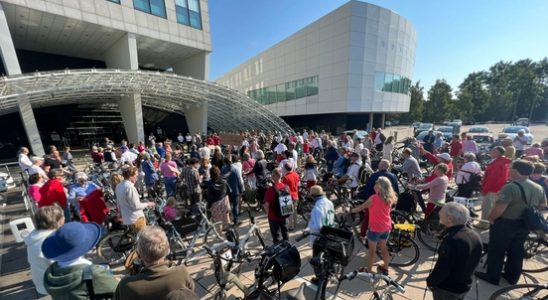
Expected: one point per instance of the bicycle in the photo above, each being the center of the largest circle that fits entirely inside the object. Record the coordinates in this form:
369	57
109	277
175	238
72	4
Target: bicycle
392	286
524	291
536	253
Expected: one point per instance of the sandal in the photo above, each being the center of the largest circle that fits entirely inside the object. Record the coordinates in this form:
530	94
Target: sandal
382	270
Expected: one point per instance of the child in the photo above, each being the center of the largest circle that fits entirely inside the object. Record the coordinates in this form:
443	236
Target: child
170	212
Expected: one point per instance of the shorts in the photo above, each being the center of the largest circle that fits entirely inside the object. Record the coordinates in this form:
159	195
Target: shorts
377	236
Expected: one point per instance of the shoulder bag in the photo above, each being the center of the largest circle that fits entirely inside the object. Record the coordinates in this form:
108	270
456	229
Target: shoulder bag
531	216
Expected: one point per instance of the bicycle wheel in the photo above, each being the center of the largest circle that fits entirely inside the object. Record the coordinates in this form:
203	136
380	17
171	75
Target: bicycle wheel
428	233
536	255
304	208
527	291
113	247
403	250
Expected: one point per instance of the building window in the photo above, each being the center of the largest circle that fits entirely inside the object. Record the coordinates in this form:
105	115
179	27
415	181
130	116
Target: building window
392	83
115	1
188	13
153	7
286	91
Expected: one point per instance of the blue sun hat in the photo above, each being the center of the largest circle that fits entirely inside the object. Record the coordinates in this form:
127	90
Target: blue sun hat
71	241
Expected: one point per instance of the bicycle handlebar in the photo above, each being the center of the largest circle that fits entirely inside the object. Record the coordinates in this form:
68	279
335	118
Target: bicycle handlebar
308	233
372	276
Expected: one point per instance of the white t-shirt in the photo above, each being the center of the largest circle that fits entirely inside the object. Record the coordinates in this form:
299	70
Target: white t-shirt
469	167
38	263
24	162
323	214
353	172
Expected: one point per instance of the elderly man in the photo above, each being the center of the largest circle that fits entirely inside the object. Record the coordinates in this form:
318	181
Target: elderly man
508	232
458	255
36	168
79	190
158	278
352	173
127	156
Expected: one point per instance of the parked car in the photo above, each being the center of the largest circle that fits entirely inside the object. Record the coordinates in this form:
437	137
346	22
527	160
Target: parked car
424	127
447	132
522	122
360	134
457	121
478	129
512	132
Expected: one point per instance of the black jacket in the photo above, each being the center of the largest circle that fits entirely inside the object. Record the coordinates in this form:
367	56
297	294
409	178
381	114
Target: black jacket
458	256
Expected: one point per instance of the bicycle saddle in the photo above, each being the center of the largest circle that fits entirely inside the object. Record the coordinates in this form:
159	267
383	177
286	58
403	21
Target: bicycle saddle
297	294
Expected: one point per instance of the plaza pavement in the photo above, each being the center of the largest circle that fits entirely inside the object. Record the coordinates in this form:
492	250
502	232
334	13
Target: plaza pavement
15	277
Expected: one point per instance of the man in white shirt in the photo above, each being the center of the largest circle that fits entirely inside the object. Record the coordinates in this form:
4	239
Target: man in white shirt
180	138
353	172
36	167
127	200
305	134
204	151
24	161
127	156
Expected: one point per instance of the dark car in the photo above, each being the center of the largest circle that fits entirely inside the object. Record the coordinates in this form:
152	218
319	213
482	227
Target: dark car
424	127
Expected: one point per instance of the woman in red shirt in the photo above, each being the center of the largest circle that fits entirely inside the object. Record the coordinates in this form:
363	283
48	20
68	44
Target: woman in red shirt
380	223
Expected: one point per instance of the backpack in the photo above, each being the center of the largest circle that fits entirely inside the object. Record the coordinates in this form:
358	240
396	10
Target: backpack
282	207
363	174
474	181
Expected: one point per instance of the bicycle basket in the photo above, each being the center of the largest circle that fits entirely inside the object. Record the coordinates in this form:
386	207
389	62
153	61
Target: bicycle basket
285	260
332	243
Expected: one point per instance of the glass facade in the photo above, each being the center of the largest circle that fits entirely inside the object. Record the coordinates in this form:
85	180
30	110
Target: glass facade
393	83
286	91
188	13
153	7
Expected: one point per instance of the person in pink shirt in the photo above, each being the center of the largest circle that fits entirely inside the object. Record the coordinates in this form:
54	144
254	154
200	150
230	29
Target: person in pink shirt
469	145
35	183
534	150
170	172
170	211
380	223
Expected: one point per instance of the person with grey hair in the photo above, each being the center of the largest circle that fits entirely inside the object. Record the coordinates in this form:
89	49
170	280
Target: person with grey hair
259	169
47	219
466	175
157	278
508	232
458	255
36	168
79	190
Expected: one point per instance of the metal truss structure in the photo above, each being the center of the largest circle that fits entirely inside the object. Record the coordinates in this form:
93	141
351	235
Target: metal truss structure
228	110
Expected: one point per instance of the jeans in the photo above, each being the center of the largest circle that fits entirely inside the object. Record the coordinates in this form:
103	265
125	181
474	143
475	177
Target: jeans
235	205
171	186
506	239
276	227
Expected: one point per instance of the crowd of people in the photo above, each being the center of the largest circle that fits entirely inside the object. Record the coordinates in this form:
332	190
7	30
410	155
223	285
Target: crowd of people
270	167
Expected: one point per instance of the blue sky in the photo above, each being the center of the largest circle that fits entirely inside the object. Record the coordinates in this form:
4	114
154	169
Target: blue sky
455	38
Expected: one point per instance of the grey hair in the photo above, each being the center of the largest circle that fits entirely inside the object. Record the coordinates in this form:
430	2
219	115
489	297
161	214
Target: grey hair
259	154
81	176
152	244
384	163
55	173
458	212
469	156
48	217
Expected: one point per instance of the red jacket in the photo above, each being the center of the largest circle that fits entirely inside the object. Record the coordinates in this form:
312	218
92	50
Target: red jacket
496	175
52	192
435	160
456	148
292	180
93	208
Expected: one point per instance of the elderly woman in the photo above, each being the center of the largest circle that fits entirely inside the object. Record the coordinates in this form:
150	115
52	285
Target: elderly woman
65	278
464	184
171	172
47	220
79	191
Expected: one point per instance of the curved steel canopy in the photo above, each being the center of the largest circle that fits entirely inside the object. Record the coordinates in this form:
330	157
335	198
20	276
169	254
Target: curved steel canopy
228	110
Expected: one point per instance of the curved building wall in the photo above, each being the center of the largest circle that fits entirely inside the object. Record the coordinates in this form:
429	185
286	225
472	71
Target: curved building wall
357	59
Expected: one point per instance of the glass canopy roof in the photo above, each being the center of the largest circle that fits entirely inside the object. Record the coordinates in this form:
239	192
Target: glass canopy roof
228	110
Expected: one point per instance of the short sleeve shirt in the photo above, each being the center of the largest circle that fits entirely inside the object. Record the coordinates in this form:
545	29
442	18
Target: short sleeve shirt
510	194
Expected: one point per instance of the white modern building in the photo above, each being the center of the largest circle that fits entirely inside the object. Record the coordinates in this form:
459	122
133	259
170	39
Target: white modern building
346	70
156	53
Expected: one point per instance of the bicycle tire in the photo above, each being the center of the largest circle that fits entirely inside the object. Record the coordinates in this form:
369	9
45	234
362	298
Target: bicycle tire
536	256
304	208
113	246
530	291
403	250
428	236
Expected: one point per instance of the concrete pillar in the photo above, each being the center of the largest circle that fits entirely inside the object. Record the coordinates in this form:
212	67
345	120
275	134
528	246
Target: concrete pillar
370	121
383	117
123	55
11	64
196	66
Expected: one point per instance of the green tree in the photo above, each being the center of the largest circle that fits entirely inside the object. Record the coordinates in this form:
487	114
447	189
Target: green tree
439	105
416	107
473	97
